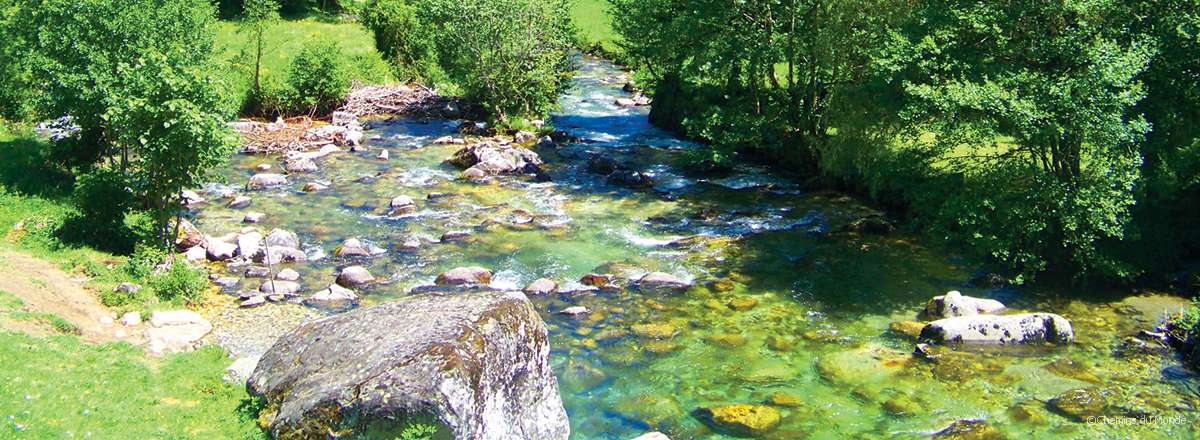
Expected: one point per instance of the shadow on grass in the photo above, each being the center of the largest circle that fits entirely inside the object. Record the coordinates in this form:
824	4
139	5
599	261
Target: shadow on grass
26	168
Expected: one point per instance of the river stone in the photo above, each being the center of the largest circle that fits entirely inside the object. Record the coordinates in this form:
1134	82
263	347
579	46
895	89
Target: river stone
175	331
300	165
523	136
249	243
354	276
479	363
288	274
189	236
253	217
354	247
279	287
1028	328
743	303
279	254
402	205
491	159
240	369
332	296
541	286
741	419
455	236
909	329
574	311
662	283
383	155
254	301
282	238
266	180
464	276
239	202
196	254
1080	404
654	330
256	272
954	304
314	187
969	429
130	319
220	251
651	435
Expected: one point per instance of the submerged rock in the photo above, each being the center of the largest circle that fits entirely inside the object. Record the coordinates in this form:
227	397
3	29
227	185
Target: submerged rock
464	276
954	303
279	287
300	165
910	329
478	363
1080	404
1029	328
239	202
969	429
492	159
659	282
741	419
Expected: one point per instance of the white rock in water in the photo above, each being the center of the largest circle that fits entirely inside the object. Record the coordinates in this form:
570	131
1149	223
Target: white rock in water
253	217
652	436
266	180
954	303
239	202
354	276
249	243
288	274
280	287
383	155
254	301
220	250
332	296
574	311
1000	330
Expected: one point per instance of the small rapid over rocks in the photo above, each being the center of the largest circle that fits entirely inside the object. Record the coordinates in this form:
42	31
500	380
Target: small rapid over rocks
692	304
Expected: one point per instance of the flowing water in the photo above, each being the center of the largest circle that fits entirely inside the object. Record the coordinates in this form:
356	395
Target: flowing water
788	307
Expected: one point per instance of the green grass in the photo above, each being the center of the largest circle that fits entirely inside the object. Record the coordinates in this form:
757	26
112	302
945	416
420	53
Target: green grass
594	23
284	41
58	387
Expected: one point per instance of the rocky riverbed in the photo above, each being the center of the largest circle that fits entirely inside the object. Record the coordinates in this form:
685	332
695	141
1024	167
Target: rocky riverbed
700	306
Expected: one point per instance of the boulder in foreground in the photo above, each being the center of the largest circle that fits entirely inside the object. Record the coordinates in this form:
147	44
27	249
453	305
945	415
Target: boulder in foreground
478	363
1028	328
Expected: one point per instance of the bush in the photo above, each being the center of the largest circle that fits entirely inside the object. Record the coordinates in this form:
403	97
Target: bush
511	56
103	197
319	78
181	282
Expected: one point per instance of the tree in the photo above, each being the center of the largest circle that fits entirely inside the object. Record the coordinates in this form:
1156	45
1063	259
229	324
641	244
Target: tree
165	114
1031	105
257	18
512	56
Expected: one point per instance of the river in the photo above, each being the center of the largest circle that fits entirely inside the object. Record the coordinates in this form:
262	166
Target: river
790	306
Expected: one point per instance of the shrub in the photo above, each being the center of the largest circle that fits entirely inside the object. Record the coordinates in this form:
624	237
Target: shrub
103	197
401	38
319	77
181	282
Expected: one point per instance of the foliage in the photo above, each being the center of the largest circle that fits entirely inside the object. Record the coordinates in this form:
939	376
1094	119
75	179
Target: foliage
257	18
180	282
402	39
113	391
166	113
17	96
319	77
509	55
103	197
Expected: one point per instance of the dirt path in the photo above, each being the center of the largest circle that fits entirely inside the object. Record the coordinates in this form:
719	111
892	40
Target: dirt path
46	288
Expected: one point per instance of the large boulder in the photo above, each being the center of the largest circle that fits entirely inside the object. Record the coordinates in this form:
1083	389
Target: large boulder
189	236
478	363
283	238
1028	328
491	159
954	304
355	276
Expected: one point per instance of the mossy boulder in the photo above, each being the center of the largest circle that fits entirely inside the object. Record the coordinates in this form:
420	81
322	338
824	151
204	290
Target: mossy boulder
742	420
969	429
478	363
1080	404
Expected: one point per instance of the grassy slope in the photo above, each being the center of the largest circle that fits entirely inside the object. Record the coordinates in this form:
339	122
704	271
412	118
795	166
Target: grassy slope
595	25
284	41
58	387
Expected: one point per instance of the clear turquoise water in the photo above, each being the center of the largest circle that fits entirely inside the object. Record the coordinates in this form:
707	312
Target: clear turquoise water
825	298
